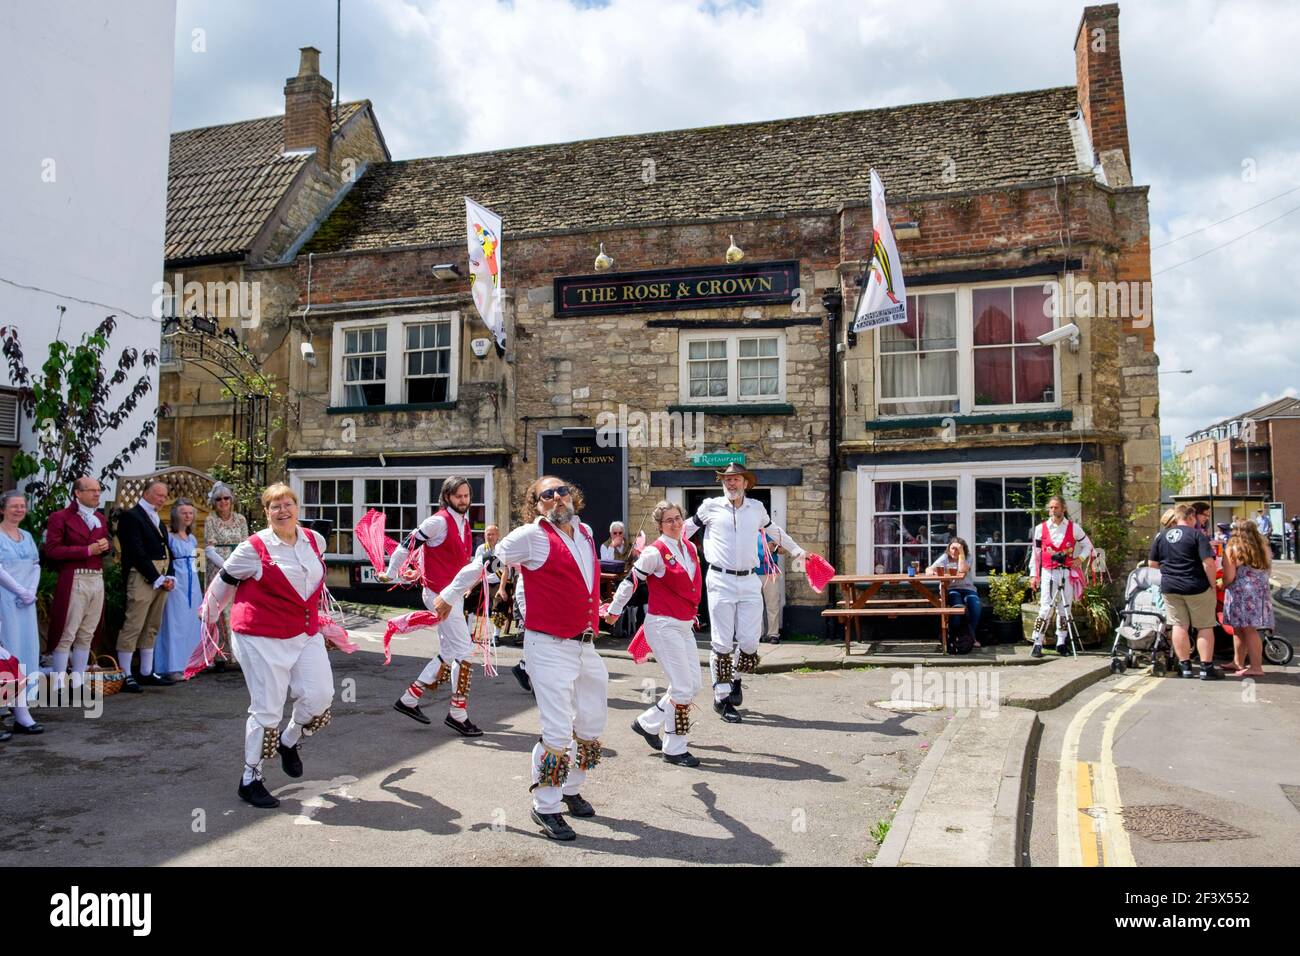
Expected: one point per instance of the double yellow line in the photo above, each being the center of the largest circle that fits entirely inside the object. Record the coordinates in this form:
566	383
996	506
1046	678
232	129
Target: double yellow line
1089	822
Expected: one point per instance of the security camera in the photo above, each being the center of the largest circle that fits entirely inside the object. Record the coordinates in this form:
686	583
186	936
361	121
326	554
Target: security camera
308	354
1068	331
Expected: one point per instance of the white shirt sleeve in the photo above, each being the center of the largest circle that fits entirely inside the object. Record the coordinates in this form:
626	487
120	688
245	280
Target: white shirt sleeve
243	563
215	563
526	545
649	563
465	579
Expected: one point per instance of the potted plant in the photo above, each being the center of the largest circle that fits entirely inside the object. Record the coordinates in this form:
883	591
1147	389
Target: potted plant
1094	614
1006	591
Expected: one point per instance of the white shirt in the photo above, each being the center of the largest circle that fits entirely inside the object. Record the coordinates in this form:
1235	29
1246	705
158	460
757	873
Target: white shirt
651	562
88	515
151	512
433	531
731	534
529	546
298	562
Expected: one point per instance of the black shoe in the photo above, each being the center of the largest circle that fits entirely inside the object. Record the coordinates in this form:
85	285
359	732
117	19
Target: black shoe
1185	669
1207	673
255	793
652	739
4	735
413	712
578	806
737	696
156	680
1037	651
35	729
290	760
554	825
131	686
726	710
686	759
521	675
464	727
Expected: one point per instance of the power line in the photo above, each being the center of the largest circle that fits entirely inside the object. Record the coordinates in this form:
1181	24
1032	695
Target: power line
1225	219
1228	243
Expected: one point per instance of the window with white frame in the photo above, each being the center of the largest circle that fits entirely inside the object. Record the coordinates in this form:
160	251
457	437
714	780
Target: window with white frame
396	498
395	360
918	359
969	348
365	365
732	367
909	513
428	361
331	498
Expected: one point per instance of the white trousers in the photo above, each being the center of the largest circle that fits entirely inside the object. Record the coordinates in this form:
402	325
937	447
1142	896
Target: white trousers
1056	581
273	669
571	685
735	619
454	646
673	643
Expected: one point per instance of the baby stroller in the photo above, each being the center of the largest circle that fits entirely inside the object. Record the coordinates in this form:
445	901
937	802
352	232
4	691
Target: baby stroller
1142	636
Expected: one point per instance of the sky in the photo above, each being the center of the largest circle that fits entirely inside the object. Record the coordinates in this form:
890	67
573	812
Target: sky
1214	127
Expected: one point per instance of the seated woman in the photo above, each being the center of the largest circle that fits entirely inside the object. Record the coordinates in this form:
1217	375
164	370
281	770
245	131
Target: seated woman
963	592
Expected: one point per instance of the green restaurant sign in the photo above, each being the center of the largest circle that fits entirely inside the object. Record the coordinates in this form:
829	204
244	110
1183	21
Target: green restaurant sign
718	459
666	290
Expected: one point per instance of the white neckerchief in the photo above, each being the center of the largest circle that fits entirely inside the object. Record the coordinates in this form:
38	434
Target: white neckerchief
88	516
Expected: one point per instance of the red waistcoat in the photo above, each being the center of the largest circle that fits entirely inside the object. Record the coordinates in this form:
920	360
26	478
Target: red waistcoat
1066	547
271	606
442	562
559	602
676	594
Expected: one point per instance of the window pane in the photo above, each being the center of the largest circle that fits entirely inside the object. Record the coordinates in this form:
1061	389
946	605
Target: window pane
899	338
717	388
697	350
916	496
444	334
886	561
898	376
767	347
943	527
988	527
1035	375
408	491
349	342
943	494
993	385
988	492
1017	557
1032	312
936	319
718	349
1018	494
887	530
1019	527
888	496
310	492
938	373
345	495
381	339
748	348
769	385
992	311
412	336
381	368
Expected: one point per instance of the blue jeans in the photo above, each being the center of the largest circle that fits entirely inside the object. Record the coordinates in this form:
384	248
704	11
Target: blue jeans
973	607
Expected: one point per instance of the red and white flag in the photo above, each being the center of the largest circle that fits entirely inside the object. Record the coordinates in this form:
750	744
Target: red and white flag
483	230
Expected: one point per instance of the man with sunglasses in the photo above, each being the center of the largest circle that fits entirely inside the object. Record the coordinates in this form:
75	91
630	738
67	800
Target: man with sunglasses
731	525
448	547
558	560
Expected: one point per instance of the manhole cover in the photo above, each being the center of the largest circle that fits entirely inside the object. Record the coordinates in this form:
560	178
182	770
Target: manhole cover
907	705
1169	823
1292	793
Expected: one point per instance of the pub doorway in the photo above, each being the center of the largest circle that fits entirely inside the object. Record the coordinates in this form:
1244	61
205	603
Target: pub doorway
691	500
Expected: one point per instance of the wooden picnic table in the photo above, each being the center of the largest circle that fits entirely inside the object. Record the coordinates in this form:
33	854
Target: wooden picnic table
859	599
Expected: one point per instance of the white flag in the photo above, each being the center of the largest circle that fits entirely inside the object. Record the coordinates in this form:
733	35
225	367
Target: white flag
884	300
483	230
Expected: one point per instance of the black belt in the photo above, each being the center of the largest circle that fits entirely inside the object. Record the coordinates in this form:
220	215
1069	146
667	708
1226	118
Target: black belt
739	574
588	636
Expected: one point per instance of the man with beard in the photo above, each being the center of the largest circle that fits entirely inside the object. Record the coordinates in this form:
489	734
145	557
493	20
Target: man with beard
731	525
445	537
557	557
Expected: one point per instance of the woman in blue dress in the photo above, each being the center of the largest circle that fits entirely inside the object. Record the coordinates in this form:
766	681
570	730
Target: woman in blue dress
20	576
181	630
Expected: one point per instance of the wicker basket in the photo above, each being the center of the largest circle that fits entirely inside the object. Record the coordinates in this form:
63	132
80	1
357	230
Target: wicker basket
113	677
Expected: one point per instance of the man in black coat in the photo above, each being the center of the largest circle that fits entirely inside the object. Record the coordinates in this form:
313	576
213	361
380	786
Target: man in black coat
145	560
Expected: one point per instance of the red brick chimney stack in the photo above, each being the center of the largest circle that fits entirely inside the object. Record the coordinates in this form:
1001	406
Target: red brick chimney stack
1101	82
307	100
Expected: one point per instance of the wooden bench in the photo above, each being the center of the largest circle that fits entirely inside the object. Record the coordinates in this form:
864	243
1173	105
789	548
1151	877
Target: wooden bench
861	601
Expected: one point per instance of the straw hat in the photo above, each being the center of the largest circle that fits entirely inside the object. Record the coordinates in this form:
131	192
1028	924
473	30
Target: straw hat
751	479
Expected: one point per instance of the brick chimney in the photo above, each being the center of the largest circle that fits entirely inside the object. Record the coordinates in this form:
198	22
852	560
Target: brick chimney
307	114
1101	89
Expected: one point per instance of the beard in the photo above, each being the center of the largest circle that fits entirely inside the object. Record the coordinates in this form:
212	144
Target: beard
458	509
735	495
560	514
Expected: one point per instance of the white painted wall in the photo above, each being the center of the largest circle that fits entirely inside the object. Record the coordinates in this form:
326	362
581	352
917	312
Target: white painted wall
88	106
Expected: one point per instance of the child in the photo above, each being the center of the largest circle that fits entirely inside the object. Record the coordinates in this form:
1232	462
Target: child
1247	603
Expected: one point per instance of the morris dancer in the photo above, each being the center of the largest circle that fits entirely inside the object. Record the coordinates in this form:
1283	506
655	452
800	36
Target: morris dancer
1060	546
557	556
276	579
731	525
445	537
671	569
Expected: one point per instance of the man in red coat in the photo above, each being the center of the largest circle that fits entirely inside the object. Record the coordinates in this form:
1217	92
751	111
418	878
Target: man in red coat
76	539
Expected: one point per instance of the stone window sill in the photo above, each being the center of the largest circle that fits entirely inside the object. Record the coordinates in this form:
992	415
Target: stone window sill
409	407
774	409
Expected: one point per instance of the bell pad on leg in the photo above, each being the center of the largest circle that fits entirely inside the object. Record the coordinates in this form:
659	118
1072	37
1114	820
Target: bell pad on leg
270	742
319	722
748	663
588	753
681	719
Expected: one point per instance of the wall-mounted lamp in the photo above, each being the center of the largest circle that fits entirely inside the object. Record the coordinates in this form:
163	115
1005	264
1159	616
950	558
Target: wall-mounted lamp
603	262
734	252
447	271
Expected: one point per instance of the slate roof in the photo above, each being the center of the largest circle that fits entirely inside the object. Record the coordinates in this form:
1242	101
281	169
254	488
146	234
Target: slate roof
1278	408
812	162
224	182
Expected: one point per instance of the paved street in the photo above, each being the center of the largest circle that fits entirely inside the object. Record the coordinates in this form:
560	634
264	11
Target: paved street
1219	761
152	781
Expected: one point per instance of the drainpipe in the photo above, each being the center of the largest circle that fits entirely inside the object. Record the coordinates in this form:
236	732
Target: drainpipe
833	303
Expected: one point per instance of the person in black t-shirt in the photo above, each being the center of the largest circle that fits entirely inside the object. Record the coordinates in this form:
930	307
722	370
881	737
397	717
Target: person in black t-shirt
1186	562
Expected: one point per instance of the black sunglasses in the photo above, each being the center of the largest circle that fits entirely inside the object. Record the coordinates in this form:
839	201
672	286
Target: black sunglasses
563	491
